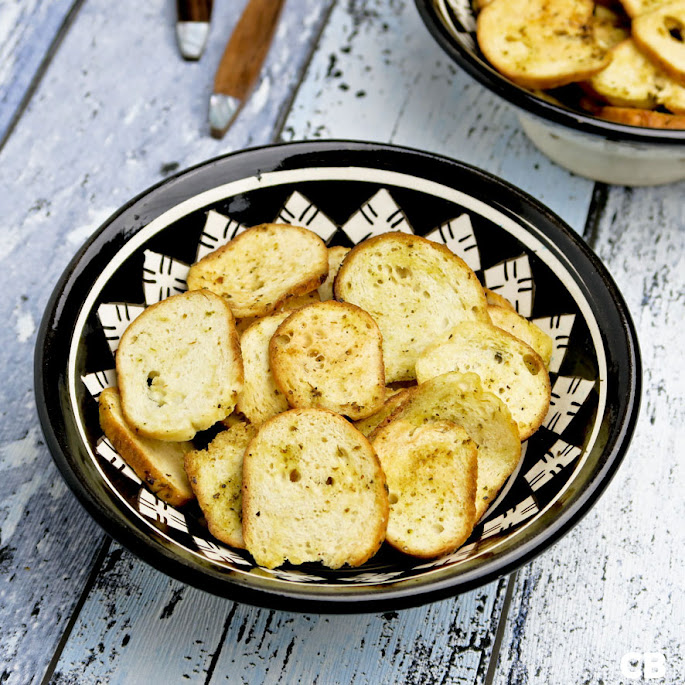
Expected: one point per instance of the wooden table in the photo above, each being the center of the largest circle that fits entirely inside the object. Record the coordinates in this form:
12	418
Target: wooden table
97	105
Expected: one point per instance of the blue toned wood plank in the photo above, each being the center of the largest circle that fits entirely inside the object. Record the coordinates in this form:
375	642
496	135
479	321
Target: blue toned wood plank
139	626
28	29
116	111
445	642
134	612
378	75
614	584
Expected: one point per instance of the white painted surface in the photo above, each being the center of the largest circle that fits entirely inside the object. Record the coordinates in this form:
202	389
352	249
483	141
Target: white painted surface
614	584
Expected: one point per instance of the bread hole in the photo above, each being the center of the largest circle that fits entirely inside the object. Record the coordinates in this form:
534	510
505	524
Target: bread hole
151	377
393	498
329	480
439	528
282	339
403	271
675	27
498	357
295	476
531	364
219	280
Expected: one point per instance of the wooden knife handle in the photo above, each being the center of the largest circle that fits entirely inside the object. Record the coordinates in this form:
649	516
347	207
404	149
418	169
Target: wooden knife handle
194	10
244	55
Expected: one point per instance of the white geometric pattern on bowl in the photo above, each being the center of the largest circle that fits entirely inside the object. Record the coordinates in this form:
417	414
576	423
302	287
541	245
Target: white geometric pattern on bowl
163	275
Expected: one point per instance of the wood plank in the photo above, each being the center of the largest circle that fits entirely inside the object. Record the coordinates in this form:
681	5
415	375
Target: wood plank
47	542
134	612
378	75
93	137
138	625
27	30
614	585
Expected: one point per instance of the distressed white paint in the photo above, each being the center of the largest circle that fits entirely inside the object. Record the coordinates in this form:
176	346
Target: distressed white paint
27	28
378	75
134	612
615	584
24	326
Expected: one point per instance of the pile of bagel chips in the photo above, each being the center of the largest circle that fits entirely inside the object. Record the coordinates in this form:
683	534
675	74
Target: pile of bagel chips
622	61
366	395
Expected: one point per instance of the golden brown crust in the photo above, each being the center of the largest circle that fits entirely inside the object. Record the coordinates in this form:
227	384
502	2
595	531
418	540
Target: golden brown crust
142	455
415	289
642	117
541	43
329	355
215	475
655	34
305	500
246	276
432	473
507	367
186	418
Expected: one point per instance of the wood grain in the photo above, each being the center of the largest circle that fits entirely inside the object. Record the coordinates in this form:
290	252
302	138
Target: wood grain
246	50
194	10
613	585
28	30
202	638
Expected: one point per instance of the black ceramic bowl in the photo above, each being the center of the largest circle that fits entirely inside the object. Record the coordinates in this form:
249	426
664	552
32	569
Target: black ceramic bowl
589	146
345	191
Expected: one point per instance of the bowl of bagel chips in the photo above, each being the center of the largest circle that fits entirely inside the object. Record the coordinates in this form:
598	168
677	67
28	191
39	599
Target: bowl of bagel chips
599	86
336	377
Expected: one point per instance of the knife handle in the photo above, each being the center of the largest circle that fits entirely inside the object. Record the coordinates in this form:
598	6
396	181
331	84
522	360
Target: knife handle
194	10
244	55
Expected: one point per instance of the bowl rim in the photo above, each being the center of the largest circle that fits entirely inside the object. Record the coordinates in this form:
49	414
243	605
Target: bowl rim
47	378
524	100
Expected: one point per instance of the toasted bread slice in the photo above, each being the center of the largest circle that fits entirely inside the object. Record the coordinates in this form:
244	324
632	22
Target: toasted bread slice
262	267
641	117
260	398
507	367
313	490
660	34
512	322
460	398
336	255
415	289
392	401
156	462
633	80
610	27
634	8
497	300
179	367
216	476
541	43
330	355
432	474
289	305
